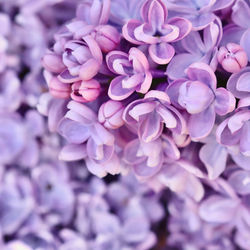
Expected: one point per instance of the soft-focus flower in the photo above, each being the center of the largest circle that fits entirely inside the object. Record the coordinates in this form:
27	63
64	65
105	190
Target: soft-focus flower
197	94
155	30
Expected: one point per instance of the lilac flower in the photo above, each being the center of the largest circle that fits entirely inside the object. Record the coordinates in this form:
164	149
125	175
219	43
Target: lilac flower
232	57
238	32
200	13
238	83
197	48
154	29
235	129
134	72
50	183
197	94
149	115
16	202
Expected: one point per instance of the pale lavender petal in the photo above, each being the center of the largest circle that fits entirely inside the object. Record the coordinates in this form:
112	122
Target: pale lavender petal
224	102
73	152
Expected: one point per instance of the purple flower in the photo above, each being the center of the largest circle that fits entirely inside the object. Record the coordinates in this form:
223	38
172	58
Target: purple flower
239	31
232	57
238	83
134	72
235	130
197	48
148	116
200	13
197	94
154	29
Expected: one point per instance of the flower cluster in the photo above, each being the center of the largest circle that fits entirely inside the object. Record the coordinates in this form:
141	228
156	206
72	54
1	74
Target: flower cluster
124	124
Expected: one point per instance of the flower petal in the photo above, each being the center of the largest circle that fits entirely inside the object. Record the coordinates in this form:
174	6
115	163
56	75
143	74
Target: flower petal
161	53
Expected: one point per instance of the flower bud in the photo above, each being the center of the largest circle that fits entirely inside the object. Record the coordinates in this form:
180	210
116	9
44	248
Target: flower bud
107	37
85	91
59	89
110	114
53	63
232	57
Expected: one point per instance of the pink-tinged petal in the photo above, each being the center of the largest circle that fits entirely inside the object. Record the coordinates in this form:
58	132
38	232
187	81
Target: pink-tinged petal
66	77
73	131
181	123
184	26
217	209
139	60
73	152
214	157
116	90
151	9
202	72
195	96
244	102
245	41
161	53
94	48
140	109
240	181
213	34
167	116
96	169
89	69
53	63
224	101
157	13
241	14
128	31
157	94
237	121
132	82
201	124
150	128
59	89
145	85
99	11
183	61
239	83
87	114
115	61
245	139
144	33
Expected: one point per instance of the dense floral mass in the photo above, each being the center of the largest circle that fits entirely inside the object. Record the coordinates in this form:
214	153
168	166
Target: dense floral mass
124	124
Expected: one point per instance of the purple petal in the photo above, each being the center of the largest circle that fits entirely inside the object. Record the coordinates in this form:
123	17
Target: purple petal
244	42
224	102
201	124
240	181
214	157
245	139
73	131
161	53
129	29
184	26
116	90
202	72
217	209
241	14
73	152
